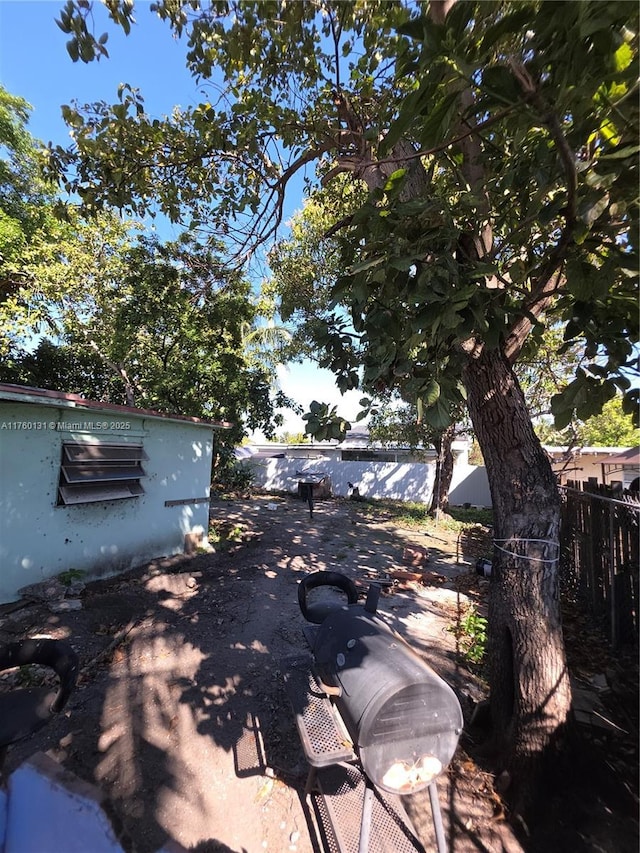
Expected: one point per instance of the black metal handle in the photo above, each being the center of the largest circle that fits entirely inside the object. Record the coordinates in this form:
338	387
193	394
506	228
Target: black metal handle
55	654
316	579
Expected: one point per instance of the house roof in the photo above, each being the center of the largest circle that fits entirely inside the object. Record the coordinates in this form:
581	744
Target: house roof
631	456
46	397
251	452
614	452
358	438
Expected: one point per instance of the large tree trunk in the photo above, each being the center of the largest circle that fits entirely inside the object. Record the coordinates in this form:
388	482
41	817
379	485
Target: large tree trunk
530	692
444	471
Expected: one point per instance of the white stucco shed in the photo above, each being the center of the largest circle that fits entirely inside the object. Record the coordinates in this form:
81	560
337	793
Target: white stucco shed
96	487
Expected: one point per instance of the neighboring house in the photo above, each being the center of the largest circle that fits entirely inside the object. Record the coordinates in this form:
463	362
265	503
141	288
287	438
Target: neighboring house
623	467
399	474
377	472
614	466
96	487
355	447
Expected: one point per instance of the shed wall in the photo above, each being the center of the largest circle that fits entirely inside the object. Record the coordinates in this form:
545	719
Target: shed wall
39	539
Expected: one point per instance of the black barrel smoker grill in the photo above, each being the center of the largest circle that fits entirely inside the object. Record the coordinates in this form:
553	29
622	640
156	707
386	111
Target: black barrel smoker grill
25	710
402	720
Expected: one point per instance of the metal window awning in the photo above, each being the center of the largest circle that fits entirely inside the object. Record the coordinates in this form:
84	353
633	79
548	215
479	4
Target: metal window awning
77	452
99	492
100	472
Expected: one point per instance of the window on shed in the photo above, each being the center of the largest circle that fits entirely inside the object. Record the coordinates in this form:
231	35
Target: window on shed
100	472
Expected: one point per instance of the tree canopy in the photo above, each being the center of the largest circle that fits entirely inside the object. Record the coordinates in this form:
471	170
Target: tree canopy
96	308
158	326
552	222
610	428
366	88
26	199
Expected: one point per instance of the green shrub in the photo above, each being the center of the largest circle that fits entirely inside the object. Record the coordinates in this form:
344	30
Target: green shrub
70	575
471	633
232	477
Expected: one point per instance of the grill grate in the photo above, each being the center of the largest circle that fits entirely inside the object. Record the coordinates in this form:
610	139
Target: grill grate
340	799
326	834
324	739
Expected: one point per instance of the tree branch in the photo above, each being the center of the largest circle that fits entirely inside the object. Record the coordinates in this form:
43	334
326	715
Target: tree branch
275	201
547	284
341	223
453	141
335	33
118	369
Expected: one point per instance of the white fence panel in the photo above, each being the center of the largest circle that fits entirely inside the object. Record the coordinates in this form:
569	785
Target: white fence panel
470	485
403	481
393	480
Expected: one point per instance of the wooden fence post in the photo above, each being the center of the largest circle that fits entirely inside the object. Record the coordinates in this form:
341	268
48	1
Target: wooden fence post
605	557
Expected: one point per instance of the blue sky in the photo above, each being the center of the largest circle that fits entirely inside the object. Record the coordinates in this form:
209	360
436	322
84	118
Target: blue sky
34	64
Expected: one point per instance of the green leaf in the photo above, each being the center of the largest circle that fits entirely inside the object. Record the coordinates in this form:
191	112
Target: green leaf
619	153
414	28
413	207
623	57
498	80
366	265
561	412
590	210
580	233
513	22
459	17
405	119
73	50
431	393
439	117
395	181
437	416
402	264
600	182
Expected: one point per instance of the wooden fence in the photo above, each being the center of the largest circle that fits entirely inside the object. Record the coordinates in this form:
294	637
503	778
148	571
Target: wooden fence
601	555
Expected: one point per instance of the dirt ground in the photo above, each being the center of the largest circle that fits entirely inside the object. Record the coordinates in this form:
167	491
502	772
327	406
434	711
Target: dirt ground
180	715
